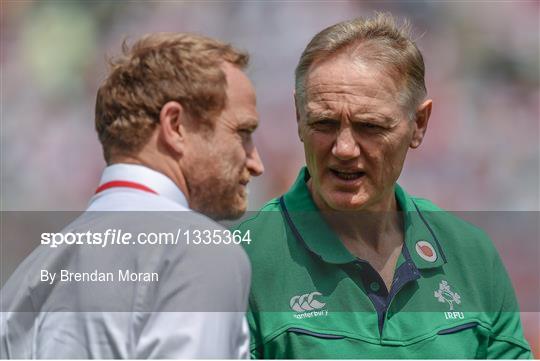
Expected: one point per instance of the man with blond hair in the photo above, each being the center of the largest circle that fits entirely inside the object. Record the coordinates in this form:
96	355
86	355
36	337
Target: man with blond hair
175	116
346	264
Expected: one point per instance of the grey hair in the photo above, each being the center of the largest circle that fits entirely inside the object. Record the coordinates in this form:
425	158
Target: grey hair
379	41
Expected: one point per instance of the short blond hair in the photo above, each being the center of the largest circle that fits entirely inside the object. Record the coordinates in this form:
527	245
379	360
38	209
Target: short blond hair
158	68
378	40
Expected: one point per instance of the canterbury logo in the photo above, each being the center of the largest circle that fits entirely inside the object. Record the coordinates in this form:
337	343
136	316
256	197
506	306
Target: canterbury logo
306	302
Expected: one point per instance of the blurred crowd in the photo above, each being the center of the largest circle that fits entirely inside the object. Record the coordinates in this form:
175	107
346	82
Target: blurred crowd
481	152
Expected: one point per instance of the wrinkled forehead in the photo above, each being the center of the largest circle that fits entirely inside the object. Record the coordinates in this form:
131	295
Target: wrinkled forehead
344	78
346	70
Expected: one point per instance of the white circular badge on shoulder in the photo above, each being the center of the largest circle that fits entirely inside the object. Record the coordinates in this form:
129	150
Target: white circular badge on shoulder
426	251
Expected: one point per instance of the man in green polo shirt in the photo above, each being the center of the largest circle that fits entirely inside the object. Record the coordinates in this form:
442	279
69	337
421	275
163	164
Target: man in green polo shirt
348	265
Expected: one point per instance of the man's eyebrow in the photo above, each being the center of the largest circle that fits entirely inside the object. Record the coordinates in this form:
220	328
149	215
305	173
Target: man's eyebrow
363	116
320	113
249	123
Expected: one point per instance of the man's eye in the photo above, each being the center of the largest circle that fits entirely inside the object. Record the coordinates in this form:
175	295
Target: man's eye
370	126
245	133
325	124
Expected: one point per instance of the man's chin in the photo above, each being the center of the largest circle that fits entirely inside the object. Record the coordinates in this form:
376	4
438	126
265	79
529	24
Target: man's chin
239	210
346	202
233	212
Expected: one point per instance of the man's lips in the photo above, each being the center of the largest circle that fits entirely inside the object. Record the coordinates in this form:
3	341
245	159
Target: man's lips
347	174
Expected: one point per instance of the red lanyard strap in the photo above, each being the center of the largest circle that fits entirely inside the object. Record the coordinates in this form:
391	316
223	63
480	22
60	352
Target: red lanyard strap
124	184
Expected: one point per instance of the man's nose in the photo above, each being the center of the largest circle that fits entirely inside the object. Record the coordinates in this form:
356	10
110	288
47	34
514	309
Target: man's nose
254	163
345	147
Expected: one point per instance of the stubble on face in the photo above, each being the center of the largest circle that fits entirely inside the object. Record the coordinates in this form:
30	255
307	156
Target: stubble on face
214	188
216	168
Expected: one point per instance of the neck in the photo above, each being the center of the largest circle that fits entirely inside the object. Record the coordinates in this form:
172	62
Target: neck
164	167
375	229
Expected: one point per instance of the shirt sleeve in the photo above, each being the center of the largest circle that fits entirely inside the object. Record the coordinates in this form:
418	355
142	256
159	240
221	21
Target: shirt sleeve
506	339
198	307
192	335
254	345
243	341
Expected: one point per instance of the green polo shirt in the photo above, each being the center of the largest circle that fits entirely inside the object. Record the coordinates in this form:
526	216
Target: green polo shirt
311	298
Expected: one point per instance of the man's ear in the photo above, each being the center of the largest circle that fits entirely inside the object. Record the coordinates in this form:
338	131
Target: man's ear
421	122
297	116
172	119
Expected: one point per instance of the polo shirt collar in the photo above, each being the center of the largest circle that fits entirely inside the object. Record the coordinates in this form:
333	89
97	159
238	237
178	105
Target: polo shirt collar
305	219
422	243
156	181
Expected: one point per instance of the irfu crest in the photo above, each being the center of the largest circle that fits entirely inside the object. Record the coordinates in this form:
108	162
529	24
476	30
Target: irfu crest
444	294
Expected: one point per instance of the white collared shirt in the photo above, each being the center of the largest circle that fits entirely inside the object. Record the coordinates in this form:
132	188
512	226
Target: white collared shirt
169	319
168	198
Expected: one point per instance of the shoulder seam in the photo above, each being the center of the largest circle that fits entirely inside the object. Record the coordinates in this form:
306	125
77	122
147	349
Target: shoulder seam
268	204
